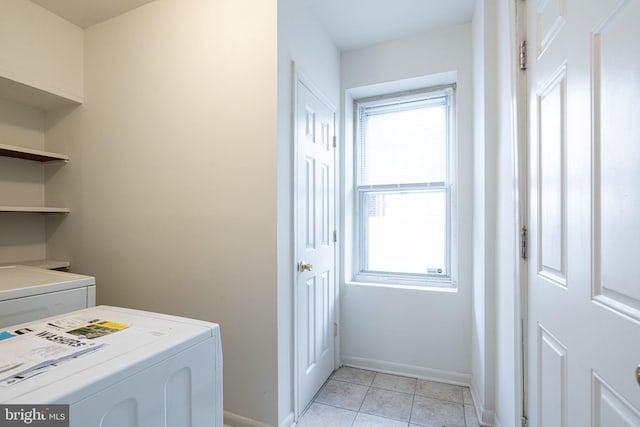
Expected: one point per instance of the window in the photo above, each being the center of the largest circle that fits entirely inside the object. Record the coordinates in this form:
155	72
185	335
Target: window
404	188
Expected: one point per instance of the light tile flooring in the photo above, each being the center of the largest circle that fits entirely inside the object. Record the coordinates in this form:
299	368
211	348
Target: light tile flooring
360	398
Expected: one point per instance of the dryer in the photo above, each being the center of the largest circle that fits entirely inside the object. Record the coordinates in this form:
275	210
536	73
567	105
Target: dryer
31	293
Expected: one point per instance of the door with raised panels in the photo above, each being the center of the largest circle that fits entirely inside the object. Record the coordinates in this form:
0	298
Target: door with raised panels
315	247
584	138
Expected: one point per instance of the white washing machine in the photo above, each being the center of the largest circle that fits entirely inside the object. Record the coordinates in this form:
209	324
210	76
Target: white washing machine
31	293
159	371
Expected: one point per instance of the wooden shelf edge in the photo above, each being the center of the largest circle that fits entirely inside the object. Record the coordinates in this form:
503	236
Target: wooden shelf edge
34	209
47	264
30	154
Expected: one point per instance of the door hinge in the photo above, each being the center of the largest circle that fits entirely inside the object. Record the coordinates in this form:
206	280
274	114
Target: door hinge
335	236
524	234
523	55
525	422
335	329
335	143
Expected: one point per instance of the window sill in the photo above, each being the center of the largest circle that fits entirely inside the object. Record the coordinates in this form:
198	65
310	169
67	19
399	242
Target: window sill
449	287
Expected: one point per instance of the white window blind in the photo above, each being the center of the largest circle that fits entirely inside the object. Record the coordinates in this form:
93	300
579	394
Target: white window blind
404	188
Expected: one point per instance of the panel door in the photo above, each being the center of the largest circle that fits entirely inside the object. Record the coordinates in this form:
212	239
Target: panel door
315	294
584	135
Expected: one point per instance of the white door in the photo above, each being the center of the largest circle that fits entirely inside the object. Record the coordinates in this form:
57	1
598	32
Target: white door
315	247
584	288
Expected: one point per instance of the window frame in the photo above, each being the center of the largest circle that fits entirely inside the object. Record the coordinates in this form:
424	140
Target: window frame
449	187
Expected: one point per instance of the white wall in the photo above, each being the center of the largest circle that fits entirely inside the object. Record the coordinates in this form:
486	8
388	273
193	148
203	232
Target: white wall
485	135
300	39
172	178
508	391
417	332
495	313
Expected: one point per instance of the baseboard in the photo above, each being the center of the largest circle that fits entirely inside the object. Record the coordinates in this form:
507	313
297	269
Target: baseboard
235	420
289	421
407	370
486	418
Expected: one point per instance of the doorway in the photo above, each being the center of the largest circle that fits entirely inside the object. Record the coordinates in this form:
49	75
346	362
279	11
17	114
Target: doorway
314	240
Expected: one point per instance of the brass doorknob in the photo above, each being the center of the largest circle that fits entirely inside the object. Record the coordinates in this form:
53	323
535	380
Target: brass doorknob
303	266
638	374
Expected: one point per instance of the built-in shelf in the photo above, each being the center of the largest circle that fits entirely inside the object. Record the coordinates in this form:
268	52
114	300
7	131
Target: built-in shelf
27	89
34	96
29	154
35	209
48	264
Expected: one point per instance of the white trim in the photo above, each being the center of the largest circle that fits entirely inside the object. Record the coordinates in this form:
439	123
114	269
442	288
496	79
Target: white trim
485	417
294	225
408	370
337	225
302	77
518	14
235	420
448	289
289	421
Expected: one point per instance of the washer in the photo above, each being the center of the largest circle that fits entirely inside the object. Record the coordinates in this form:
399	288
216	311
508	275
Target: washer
160	370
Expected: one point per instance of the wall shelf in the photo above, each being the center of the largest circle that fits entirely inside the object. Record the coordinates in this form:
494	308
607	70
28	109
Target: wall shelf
29	154
34	96
48	264
34	209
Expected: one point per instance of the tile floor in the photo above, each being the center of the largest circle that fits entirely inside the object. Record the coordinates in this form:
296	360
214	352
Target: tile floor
359	398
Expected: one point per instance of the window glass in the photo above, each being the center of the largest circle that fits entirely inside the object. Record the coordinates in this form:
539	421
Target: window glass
406	232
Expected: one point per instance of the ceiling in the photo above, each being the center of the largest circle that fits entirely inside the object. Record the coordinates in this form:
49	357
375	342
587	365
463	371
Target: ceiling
85	13
354	24
351	24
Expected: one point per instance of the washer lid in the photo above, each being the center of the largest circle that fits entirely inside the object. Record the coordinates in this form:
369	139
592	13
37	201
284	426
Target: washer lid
148	339
17	281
